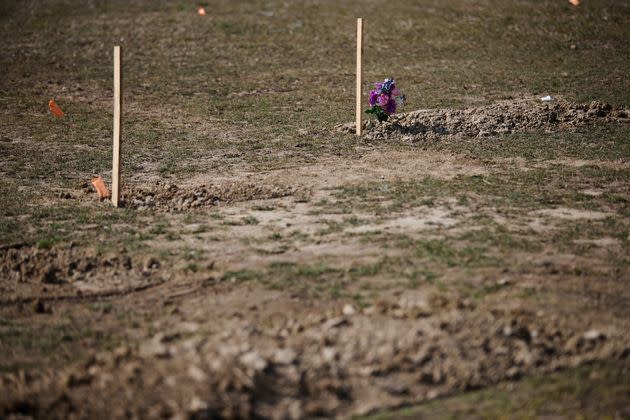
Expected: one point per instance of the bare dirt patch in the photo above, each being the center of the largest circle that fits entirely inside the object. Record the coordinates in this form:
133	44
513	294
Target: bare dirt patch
421	219
572	214
303	182
370	164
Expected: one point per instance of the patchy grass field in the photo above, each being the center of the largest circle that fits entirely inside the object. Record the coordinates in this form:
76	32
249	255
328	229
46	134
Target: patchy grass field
269	264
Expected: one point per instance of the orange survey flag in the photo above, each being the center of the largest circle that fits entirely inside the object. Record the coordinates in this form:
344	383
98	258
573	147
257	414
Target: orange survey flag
575	2
201	11
54	108
101	188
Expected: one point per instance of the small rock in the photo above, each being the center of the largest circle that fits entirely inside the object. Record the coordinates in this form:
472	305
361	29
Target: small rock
151	263
196	373
284	356
329	354
504	282
433	394
348	310
254	361
197	404
396	389
513	373
594	335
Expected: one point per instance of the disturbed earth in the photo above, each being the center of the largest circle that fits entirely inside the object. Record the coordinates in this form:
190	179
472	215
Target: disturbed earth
313	363
500	118
273	321
171	197
469	258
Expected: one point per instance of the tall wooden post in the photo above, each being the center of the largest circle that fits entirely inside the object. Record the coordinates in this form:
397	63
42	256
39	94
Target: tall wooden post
117	115
359	75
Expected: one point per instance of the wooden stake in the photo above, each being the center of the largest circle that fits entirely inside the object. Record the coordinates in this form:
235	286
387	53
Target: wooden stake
117	114
359	75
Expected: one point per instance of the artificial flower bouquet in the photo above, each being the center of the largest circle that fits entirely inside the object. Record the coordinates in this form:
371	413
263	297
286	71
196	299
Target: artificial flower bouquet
384	99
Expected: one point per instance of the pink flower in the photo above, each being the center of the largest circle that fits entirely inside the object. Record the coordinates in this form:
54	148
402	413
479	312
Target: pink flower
382	99
395	92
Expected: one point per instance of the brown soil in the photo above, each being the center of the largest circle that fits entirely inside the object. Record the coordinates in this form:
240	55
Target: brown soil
500	118
269	264
264	355
205	343
32	274
171	197
218	348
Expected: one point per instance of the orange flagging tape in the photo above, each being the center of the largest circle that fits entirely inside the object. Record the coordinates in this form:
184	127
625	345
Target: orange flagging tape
54	108
100	186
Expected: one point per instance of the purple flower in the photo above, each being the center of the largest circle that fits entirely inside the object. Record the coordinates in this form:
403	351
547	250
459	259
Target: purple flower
395	91
373	97
390	107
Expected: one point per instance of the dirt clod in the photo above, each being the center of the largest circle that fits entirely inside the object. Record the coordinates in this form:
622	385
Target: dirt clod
68	271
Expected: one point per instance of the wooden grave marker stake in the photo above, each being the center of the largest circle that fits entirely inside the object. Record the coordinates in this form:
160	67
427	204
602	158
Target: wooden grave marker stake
359	74
117	115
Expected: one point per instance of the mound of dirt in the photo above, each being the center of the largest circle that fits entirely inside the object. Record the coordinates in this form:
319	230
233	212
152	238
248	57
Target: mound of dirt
500	118
170	197
320	365
27	272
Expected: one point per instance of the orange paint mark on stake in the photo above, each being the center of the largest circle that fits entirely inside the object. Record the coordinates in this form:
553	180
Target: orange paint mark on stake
54	108
201	11
101	188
